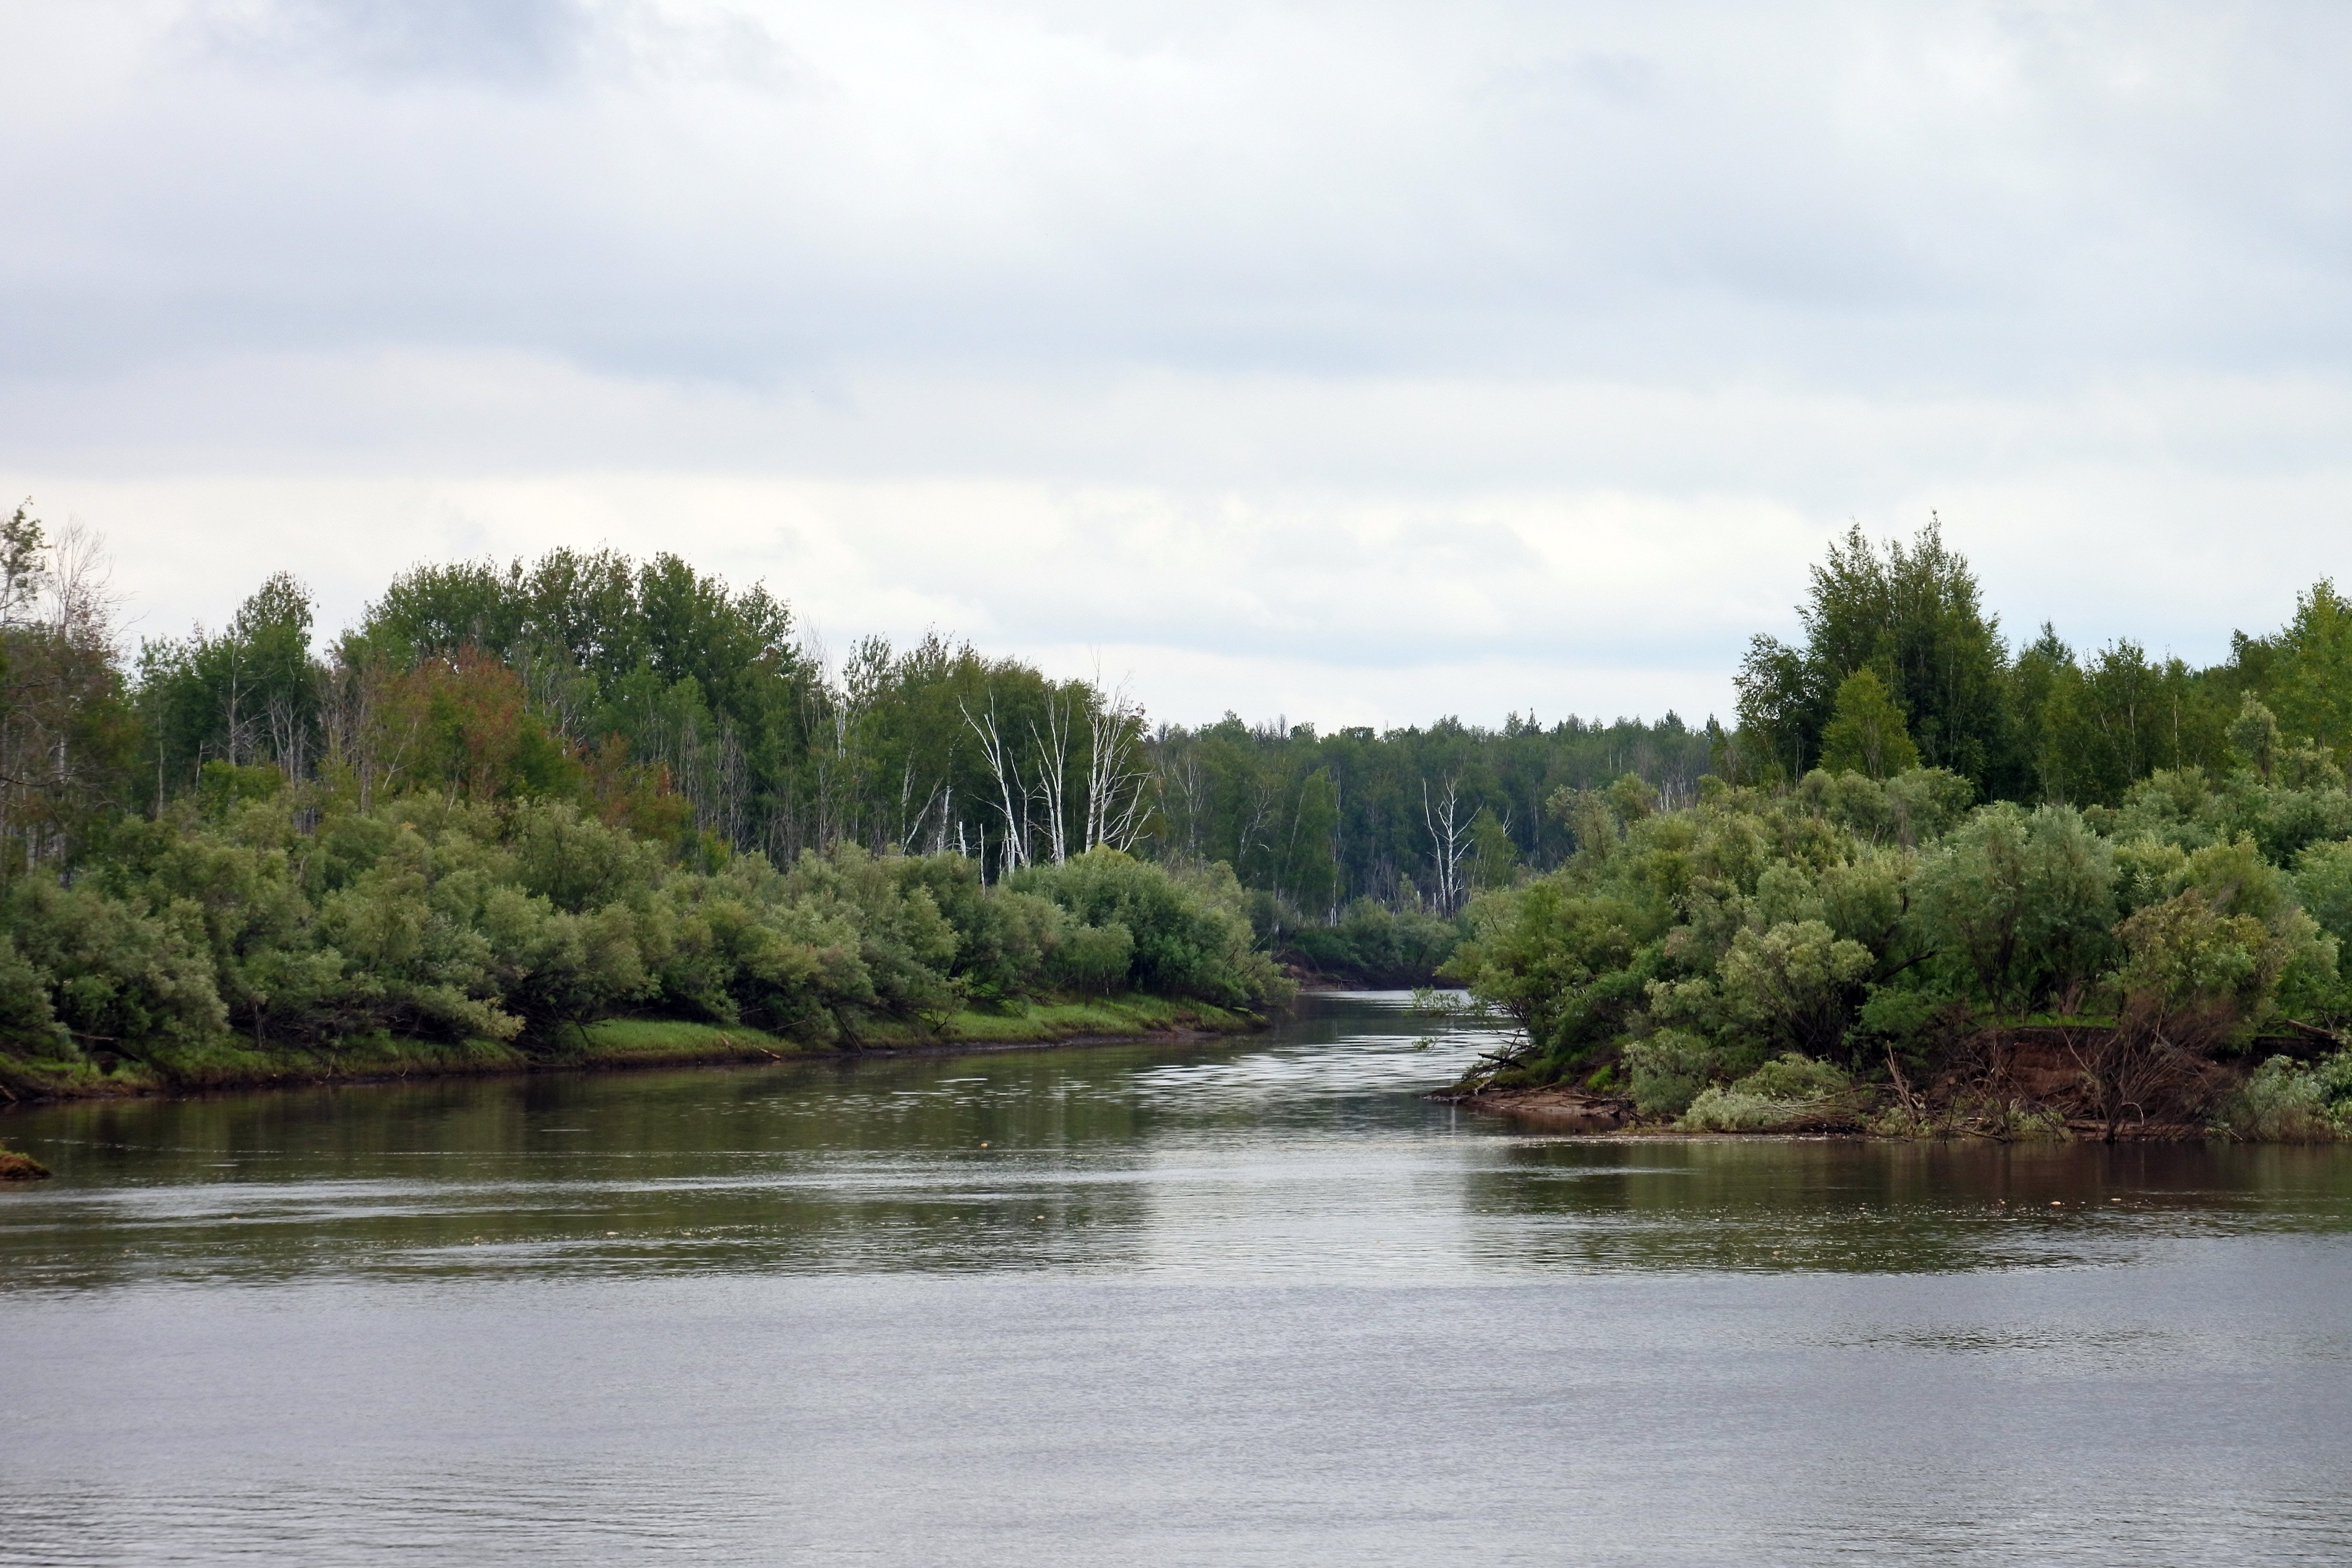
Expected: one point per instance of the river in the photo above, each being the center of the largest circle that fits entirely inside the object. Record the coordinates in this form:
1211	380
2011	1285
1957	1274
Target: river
1251	1301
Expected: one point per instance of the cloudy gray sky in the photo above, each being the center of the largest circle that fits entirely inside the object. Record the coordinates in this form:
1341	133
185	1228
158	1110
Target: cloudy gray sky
1360	363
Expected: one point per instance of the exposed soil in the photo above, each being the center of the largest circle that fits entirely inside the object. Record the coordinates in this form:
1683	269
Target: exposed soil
1992	1082
1554	1108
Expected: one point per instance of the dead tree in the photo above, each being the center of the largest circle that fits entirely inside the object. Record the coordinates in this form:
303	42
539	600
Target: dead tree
1117	783
1012	800
1449	833
2152	1059
1052	769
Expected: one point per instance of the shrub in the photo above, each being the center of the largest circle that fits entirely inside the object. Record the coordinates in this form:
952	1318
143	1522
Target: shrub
1376	946
1191	932
1093	958
2283	1102
1786	1093
1666	1071
1569	966
576	862
2020	903
28	1021
117	976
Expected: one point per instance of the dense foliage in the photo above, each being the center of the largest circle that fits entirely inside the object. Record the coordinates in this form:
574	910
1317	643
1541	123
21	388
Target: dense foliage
1896	636
1923	860
1885	930
295	923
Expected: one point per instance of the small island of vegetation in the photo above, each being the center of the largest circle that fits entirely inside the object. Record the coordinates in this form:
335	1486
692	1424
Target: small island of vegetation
2143	931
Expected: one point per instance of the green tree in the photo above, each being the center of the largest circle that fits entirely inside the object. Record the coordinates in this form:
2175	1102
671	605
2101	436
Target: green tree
67	736
1865	733
247	694
2255	736
1913	611
1495	859
2310	671
1314	870
2019	905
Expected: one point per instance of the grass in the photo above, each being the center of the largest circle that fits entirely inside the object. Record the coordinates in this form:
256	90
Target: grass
617	1041
19	1167
611	1043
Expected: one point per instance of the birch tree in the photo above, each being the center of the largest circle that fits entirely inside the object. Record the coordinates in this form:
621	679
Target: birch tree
1118	778
1011	801
1052	770
64	729
1449	837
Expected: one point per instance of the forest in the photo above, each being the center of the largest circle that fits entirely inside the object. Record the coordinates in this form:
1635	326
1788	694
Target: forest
516	801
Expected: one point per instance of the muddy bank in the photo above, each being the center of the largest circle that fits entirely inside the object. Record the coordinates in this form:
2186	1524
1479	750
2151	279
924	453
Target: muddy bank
2049	1082
1555	1110
1561	1110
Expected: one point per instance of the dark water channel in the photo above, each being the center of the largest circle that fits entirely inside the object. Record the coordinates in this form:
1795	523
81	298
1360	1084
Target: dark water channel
1255	1302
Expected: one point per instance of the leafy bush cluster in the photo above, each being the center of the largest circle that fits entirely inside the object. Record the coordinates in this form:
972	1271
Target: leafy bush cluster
440	918
1787	1092
1854	926
2284	1101
1375	945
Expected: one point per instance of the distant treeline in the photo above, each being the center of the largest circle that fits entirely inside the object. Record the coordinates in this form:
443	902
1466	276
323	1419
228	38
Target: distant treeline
663	697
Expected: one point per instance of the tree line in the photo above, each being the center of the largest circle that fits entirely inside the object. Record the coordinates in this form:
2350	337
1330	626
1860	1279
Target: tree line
666	709
1897	640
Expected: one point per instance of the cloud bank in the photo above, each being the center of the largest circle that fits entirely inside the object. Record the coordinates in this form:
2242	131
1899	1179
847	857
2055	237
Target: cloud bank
1356	364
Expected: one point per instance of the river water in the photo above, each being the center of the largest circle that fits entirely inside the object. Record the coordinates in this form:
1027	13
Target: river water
1251	1302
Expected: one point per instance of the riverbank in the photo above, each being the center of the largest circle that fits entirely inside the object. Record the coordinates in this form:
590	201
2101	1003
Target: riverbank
612	1044
1571	1111
2076	1080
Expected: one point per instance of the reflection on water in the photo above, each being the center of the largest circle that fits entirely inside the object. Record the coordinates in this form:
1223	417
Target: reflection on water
1245	1301
1106	1158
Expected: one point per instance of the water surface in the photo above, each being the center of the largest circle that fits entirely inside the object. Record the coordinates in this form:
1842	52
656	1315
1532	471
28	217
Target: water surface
1251	1303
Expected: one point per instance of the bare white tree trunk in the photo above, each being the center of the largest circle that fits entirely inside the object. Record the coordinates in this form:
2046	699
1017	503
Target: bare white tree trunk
910	828
1449	833
1053	766
1002	768
1117	784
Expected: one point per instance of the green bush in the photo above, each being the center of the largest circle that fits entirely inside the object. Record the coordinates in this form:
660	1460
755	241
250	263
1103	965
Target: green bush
1094	958
2019	904
117	976
1666	1071
2285	1103
1374	945
449	919
28	1023
1191	930
1786	1093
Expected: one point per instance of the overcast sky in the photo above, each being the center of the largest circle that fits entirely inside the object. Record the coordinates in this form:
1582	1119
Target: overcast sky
1356	362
